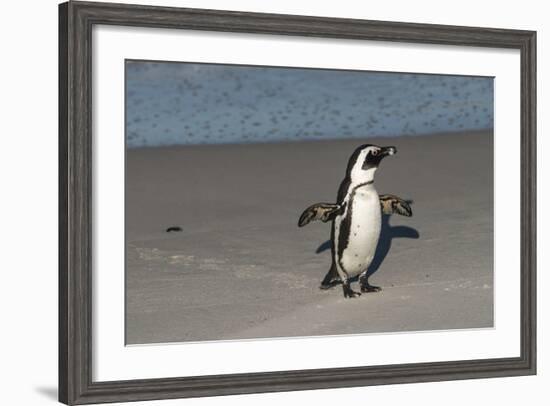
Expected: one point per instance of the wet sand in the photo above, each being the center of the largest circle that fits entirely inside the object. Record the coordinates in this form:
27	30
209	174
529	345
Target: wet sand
241	268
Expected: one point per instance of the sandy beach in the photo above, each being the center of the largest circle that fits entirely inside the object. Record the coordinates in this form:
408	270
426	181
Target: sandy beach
241	268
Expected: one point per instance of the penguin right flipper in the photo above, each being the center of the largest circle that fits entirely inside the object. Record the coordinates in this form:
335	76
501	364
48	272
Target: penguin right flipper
393	204
319	211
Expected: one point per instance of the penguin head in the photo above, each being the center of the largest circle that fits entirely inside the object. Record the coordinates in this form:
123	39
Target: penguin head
365	160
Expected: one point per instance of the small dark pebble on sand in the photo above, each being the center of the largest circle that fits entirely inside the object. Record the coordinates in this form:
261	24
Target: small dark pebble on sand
173	229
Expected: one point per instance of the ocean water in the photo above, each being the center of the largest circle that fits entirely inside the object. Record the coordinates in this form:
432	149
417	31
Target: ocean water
187	104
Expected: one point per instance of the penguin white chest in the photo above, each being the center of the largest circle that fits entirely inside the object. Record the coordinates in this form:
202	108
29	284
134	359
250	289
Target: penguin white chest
364	231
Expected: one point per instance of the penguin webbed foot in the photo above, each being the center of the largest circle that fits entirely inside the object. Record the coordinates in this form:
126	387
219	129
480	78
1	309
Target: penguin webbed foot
329	285
370	289
366	287
349	292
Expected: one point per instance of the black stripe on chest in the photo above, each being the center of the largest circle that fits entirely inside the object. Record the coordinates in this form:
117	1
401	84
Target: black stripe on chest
345	225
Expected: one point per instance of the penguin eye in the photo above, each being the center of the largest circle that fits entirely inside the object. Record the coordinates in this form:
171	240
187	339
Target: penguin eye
374	152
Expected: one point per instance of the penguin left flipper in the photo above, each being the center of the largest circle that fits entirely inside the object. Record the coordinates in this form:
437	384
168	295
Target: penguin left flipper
393	204
319	211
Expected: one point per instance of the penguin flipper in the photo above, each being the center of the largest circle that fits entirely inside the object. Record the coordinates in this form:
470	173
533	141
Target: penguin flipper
392	204
319	211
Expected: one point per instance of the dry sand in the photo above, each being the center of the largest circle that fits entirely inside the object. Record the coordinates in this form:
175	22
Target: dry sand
241	268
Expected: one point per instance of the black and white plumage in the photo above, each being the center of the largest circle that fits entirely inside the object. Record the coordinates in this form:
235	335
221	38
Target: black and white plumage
356	219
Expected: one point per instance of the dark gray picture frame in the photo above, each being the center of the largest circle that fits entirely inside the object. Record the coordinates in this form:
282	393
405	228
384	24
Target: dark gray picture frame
76	20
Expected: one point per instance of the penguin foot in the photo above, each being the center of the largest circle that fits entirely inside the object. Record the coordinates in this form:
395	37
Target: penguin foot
349	292
366	287
370	288
329	285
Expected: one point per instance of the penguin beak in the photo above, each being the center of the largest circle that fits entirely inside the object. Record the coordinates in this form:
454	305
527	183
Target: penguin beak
387	151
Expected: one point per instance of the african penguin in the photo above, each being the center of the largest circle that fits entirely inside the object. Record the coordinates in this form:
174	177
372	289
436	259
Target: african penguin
356	219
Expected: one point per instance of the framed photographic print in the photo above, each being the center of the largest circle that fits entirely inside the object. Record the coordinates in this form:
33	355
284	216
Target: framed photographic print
257	202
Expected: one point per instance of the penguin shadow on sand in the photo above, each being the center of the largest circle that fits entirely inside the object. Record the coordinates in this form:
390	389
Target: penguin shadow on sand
387	234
